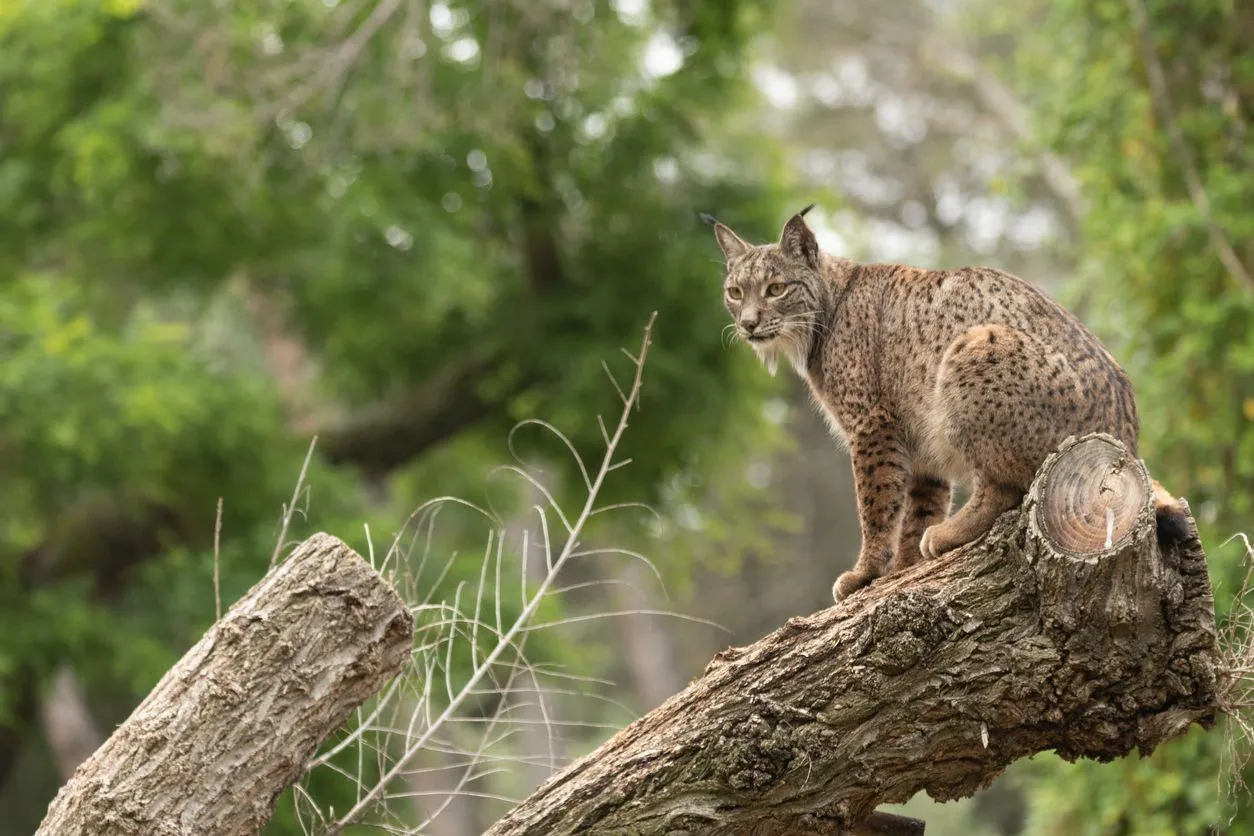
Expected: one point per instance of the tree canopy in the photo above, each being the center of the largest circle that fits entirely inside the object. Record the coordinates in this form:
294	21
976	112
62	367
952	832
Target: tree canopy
403	227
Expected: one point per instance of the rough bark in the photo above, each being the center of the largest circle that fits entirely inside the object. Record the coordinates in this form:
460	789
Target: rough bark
932	679
229	727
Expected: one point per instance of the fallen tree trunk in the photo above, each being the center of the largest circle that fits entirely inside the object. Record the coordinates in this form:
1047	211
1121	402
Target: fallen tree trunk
229	727
1065	628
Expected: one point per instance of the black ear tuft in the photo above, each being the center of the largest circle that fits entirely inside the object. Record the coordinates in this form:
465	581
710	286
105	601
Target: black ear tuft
709	219
802	213
797	241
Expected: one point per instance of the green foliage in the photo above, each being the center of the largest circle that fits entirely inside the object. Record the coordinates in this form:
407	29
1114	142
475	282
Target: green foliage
1176	790
126	415
497	186
1182	323
89	408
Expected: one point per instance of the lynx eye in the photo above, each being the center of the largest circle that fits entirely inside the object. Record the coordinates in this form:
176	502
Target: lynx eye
735	294
775	289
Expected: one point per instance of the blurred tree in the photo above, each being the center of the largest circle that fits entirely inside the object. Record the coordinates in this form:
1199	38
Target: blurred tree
1153	104
426	220
931	154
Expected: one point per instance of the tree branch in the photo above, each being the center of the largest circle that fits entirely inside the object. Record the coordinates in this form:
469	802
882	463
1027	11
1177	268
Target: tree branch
387	435
103	535
1161	97
229	727
1038	636
68	726
1001	102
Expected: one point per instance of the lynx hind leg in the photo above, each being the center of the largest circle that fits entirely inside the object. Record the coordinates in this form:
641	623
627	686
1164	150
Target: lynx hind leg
973	520
927	503
1005	402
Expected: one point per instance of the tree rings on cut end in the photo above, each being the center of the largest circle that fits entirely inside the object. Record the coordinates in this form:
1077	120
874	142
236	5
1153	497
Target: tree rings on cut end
1090	495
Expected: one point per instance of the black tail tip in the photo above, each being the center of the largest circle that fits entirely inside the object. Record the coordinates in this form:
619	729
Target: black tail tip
1173	527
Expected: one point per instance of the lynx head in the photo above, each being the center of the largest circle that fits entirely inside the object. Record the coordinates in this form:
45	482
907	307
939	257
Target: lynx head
774	292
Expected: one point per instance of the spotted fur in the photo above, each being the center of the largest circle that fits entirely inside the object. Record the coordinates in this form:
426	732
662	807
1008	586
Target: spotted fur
931	378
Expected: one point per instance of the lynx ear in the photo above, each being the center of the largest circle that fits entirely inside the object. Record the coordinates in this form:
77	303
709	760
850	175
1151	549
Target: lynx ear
731	243
798	241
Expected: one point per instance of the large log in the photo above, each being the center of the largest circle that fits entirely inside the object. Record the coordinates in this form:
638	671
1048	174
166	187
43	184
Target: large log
229	727
1065	628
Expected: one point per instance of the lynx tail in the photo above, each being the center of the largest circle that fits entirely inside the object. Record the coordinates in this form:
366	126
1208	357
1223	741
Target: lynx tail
1169	514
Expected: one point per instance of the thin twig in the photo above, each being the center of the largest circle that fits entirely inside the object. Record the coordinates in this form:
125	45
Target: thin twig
291	506
1161	97
617	388
217	586
404	720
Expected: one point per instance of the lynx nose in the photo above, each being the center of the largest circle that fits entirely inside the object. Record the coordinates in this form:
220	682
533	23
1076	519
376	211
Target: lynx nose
749	320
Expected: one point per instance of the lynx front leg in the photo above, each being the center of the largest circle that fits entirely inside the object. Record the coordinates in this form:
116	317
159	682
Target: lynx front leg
927	504
880	471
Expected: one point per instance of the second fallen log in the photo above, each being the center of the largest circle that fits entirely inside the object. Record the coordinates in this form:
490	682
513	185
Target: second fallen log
232	725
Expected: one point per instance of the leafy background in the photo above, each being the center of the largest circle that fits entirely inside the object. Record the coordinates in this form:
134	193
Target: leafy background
405	226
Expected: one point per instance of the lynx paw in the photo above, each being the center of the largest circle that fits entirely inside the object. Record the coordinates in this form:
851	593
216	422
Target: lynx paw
937	540
850	582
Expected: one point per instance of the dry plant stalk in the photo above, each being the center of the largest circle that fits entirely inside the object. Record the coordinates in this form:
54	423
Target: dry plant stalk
1236	688
470	679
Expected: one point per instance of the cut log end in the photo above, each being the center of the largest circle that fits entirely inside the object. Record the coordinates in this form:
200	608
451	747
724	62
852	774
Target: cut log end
1090	496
